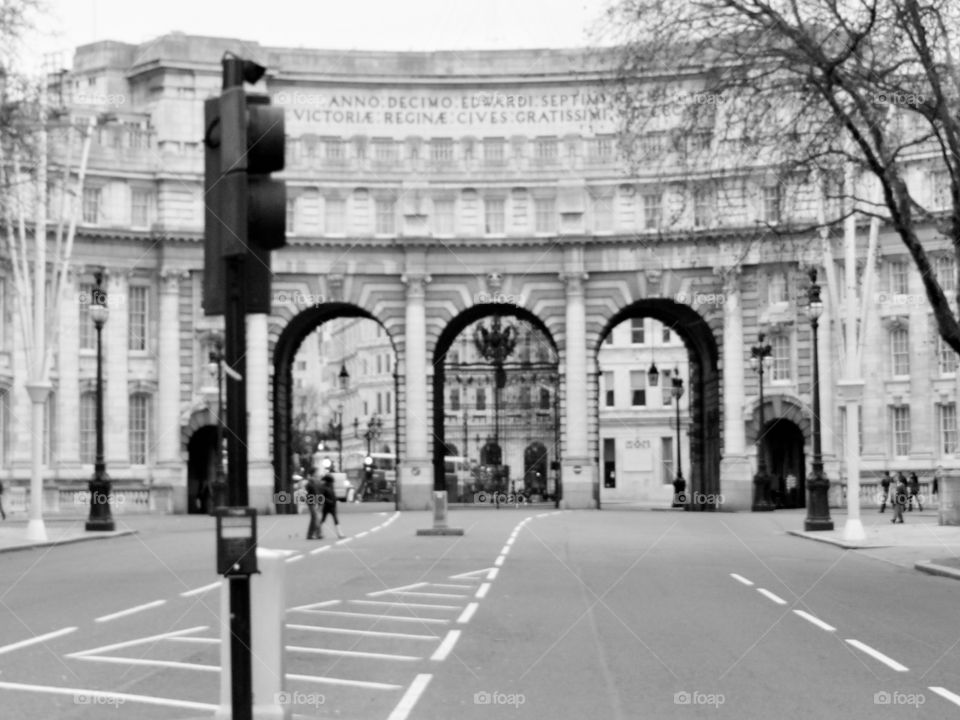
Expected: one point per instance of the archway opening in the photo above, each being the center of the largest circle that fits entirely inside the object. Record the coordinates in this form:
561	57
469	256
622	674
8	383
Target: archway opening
637	420
783	448
201	469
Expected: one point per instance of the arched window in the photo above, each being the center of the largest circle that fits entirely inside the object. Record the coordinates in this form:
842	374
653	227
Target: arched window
87	427
139	428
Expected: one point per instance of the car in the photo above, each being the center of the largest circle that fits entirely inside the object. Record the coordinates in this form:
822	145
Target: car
343	488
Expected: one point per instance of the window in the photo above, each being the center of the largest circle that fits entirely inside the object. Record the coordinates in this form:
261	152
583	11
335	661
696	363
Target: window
441	150
600	149
900	415
379	403
544	399
137	338
666	457
940	182
703	207
666	336
88	427
91	205
481	399
139	208
526	399
334	150
900	347
360	148
385	151
468	149
494	211
291	214
777	288
780	345
389	399
946	357
899	280
493	150
771	204
455	398
603	214
545	213
608	340
443	218
335	216
609	396
946	273
638	388
948	428
651	144
637	334
139	405
386	210
87	331
666	385
545	150
652	211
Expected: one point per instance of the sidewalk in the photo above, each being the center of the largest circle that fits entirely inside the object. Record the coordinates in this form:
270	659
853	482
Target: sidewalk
918	543
13	534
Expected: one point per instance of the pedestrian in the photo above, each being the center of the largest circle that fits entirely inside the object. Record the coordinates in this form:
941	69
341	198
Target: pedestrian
899	498
885	485
313	498
914	492
329	505
3	513
935	490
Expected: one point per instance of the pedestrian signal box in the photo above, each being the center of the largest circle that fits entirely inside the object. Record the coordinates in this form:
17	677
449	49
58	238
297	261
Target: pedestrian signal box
236	541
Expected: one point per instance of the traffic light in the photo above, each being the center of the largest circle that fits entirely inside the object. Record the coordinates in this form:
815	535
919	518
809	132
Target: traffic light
245	209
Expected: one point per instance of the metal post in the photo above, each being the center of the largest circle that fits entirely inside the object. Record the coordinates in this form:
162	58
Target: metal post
818	509
761	481
100	516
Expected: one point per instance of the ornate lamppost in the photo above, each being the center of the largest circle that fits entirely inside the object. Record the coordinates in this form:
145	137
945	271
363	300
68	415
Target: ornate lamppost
374	428
818	509
100	518
495	345
761	358
679	484
218	495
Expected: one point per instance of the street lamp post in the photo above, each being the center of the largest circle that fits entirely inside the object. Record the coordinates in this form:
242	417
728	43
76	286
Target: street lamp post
339	429
100	518
495	345
761	357
374	427
218	496
679	484
818	509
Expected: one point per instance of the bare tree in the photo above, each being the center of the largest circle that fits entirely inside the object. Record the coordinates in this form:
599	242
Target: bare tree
806	91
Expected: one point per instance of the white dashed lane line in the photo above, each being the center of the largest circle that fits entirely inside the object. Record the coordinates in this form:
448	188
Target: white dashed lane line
947	695
37	639
776	598
742	579
877	655
130	611
815	620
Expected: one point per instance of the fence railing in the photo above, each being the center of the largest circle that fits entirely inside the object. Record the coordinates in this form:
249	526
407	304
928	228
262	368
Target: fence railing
74	501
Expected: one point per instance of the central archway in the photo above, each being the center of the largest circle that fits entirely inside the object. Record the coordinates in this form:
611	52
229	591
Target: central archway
703	480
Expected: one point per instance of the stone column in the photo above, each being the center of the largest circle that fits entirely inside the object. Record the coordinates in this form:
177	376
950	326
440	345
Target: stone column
259	467
416	469
116	398
736	477
579	471
170	466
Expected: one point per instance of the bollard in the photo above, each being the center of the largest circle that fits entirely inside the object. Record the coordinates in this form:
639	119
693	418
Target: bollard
440	526
268	600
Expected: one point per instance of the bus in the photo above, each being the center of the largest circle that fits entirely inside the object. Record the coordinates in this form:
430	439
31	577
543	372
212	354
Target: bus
456	473
382	485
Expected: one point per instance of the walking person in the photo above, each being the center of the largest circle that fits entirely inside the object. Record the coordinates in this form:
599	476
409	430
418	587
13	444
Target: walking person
915	492
899	498
329	505
885	485
314	498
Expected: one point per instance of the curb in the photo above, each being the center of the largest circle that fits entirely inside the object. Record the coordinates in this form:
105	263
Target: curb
847	545
67	541
926	566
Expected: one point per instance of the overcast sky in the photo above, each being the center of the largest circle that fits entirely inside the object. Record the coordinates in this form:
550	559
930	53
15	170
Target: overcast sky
334	24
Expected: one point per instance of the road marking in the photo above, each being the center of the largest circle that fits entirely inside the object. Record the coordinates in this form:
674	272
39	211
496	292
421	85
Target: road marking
469	575
313	606
151	663
390	603
499	561
371	633
363	534
35	640
294	558
320	549
505	550
375	529
946	694
350	653
130	611
201	640
342	681
877	655
410	697
741	578
414	593
815	620
446	646
390	590
510	540
468	613
482	591
452	586
140	641
200	590
776	598
493	573
344	540
396	618
126	697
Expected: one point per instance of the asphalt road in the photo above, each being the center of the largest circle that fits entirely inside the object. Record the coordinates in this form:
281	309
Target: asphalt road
531	614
